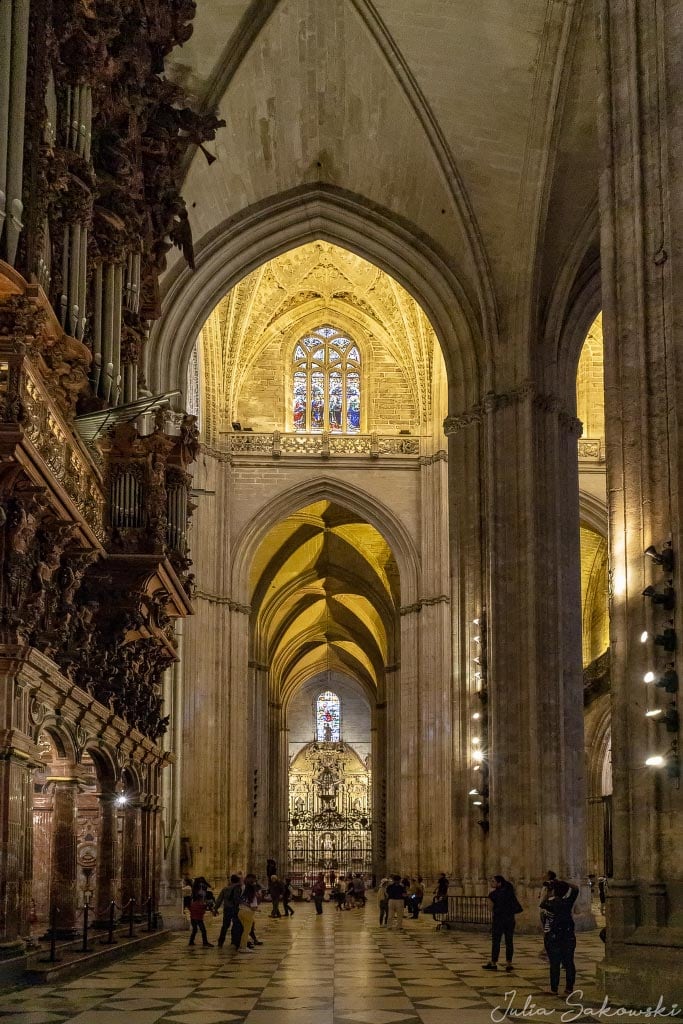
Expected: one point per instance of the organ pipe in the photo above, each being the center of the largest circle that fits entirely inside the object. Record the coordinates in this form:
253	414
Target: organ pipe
14	207
116	344
108	332
97	330
5	78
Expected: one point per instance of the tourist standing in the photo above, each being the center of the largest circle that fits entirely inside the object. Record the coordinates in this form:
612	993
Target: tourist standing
198	908
505	906
287	897
228	899
248	905
396	893
276	889
559	935
383	902
318	893
546	889
441	891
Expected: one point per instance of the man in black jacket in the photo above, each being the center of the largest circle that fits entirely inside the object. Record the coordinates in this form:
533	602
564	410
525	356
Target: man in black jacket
228	898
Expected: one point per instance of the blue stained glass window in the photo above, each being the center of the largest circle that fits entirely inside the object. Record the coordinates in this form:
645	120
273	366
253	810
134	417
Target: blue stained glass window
328	718
326	383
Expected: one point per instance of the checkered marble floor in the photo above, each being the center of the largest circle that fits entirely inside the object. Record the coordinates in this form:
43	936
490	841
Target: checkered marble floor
339	968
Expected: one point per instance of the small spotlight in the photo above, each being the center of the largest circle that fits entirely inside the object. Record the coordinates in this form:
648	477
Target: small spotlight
665	557
644	636
477	803
476	741
476	767
655	762
477	660
476	716
666	639
665	597
476	622
476	639
649	677
477	675
122	800
478	755
653	713
474	792
668	681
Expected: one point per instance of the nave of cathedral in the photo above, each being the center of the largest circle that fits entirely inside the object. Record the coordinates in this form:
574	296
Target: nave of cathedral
340	968
340	461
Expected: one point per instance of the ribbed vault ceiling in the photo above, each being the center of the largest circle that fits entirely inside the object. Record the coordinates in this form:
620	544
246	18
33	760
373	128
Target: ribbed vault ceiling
325	594
474	122
304	288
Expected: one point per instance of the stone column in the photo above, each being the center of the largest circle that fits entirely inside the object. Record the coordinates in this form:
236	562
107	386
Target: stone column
16	836
641	198
469	868
535	692
64	867
131	854
106	859
403	838
433	705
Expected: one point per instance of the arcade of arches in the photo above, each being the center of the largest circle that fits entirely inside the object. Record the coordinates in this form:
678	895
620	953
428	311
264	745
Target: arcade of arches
340	456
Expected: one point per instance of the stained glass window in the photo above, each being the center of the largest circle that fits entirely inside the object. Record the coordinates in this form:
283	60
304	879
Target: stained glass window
327	718
326	383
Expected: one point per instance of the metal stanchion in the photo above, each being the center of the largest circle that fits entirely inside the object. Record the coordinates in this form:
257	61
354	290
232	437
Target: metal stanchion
110	928
52	958
86	911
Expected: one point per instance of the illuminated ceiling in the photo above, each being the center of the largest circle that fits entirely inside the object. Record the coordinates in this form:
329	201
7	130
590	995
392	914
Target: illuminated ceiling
304	287
325	594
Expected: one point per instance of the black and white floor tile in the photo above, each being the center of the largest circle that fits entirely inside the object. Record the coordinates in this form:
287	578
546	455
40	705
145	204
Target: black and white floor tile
339	968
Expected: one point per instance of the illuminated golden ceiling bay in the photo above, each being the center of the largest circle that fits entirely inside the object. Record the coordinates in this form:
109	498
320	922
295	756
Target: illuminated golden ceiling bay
246	346
325	587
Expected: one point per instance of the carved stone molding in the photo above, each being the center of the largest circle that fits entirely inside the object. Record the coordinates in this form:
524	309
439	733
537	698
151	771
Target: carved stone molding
526	391
234	606
424	602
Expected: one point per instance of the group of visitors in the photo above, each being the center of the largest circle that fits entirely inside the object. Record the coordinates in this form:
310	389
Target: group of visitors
556	904
239	901
397	897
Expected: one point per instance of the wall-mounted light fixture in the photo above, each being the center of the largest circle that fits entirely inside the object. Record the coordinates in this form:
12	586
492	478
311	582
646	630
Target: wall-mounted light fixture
665	557
665	596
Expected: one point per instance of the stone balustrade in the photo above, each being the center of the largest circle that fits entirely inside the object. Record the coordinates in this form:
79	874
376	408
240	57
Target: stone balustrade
324	445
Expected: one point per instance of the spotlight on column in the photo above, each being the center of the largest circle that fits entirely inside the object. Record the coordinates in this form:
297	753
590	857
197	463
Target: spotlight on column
665	557
476	716
476	639
669	718
474	792
667	639
669	761
669	680
478	755
649	677
644	637
121	800
666	597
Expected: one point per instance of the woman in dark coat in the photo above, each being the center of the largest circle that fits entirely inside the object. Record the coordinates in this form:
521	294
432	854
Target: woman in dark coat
558	934
505	906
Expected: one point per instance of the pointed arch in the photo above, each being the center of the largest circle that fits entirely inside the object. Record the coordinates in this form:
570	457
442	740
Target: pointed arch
327	489
306	214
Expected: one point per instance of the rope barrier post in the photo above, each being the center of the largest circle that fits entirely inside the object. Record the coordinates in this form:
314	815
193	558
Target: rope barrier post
86	911
131	904
52	958
110	940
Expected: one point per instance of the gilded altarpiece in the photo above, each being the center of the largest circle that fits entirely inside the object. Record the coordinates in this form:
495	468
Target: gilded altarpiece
330	813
